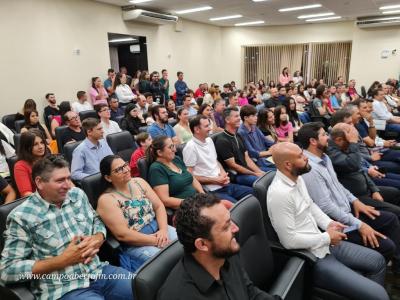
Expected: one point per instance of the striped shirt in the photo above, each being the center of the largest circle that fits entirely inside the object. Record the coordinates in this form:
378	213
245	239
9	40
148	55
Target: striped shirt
38	230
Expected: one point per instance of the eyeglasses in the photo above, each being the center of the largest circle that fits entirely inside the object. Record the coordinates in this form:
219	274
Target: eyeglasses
172	146
74	118
103	110
121	169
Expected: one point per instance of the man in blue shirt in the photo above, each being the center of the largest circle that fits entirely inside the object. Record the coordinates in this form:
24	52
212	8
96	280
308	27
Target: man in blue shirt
161	126
87	156
254	140
109	82
180	88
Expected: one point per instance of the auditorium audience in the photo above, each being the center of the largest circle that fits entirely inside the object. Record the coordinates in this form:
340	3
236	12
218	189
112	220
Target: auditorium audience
168	174
97	92
342	267
133	213
273	100
122	89
181	88
382	113
171	108
142	105
161	126
219	107
283	128
115	110
58	121
207	111
200	157
29	104
51	109
293	115
165	82
182	128
74	132
266	123
210	268
187	104
143	140
284	77
144	82
157	88
232	153
82	104
109	126
32	121
87	156
38	243
32	147
109	82
132	120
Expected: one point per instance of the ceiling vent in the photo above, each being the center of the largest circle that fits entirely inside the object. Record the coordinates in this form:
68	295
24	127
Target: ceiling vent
140	15
380	21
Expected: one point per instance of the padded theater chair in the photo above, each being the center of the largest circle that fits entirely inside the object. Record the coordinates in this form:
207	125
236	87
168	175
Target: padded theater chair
93	187
68	149
268	268
59	133
16	138
18	125
9	121
88	114
122	144
260	187
18	291
11	161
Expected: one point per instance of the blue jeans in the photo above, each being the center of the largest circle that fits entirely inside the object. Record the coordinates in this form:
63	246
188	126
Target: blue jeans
104	288
131	257
393	127
233	192
265	165
339	272
246	179
390	179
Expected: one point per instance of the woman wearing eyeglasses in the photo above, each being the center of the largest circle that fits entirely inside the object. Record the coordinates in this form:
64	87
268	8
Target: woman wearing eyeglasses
168	174
133	212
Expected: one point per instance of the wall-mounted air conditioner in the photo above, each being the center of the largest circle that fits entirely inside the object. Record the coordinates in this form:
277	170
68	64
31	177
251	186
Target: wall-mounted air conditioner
140	15
378	21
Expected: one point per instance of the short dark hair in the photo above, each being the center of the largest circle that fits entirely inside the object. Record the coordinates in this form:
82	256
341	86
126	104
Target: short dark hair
48	95
247	110
227	112
89	123
99	107
191	224
337	132
195	122
80	94
110	71
156	111
375	92
227	85
187	96
147	94
45	166
308	131
179	73
320	90
141	138
340	115
163	70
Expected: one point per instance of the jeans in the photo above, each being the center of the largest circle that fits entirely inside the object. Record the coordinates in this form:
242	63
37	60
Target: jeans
339	272
246	180
391	198
233	192
101	289
265	165
131	258
393	127
390	166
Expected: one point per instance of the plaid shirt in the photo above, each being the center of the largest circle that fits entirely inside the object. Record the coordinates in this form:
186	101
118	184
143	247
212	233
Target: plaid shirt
38	230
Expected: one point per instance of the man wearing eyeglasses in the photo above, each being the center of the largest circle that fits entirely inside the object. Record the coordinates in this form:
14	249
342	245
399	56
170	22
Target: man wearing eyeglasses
74	131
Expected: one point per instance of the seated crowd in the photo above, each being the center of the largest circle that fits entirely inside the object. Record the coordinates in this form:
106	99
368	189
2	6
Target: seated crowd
336	192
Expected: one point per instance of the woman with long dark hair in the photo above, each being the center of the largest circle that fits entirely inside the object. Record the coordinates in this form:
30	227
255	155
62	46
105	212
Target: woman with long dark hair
32	121
266	122
132	119
133	213
122	90
58	120
98	94
182	128
285	77
284	129
293	115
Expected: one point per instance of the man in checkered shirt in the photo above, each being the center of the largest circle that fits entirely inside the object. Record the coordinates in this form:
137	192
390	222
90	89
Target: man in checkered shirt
55	235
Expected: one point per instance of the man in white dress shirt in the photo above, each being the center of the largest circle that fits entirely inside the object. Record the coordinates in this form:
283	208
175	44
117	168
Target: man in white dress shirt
345	268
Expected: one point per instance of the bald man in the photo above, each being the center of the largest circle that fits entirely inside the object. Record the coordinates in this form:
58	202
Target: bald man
345	268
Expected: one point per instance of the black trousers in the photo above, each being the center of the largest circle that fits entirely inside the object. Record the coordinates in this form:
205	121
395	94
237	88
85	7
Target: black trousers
391	196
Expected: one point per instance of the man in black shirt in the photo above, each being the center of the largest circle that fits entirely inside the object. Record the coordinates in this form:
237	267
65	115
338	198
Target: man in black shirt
157	88
74	131
273	100
209	269
51	109
115	110
232	153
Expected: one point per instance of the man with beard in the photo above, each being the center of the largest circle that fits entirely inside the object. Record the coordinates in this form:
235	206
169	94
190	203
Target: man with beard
161	126
157	88
210	268
51	109
364	222
351	270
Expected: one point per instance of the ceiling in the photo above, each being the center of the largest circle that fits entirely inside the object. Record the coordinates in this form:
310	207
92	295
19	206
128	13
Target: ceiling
266	10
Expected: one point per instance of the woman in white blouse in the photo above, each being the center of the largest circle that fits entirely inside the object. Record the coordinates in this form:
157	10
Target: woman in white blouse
122	90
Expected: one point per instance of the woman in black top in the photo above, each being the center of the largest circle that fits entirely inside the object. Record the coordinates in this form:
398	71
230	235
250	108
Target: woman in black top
132	120
32	121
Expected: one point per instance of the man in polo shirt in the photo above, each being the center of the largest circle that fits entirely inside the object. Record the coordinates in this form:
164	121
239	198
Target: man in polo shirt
254	140
210	268
87	156
109	82
161	126
200	157
232	153
74	131
381	111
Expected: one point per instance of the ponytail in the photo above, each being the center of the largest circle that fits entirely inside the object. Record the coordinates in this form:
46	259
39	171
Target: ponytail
157	144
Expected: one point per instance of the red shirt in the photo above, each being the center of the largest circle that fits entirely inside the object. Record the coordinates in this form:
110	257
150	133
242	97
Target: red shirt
136	155
198	93
23	177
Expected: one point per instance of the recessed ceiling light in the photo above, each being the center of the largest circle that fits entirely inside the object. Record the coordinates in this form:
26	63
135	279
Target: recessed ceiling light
315	16
122	40
226	18
192	10
323	19
139	1
388	12
299	7
259	0
389	7
250	23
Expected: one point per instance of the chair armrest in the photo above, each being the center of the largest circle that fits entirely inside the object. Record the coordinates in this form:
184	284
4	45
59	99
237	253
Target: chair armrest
289	285
18	291
304	254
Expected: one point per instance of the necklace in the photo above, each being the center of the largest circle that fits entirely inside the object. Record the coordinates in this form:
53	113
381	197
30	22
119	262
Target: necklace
125	196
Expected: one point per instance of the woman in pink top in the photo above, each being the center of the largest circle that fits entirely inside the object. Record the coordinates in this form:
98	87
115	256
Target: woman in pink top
97	92
283	128
285	77
242	99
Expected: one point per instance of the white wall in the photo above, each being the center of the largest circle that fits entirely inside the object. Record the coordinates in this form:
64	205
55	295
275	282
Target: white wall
38	38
